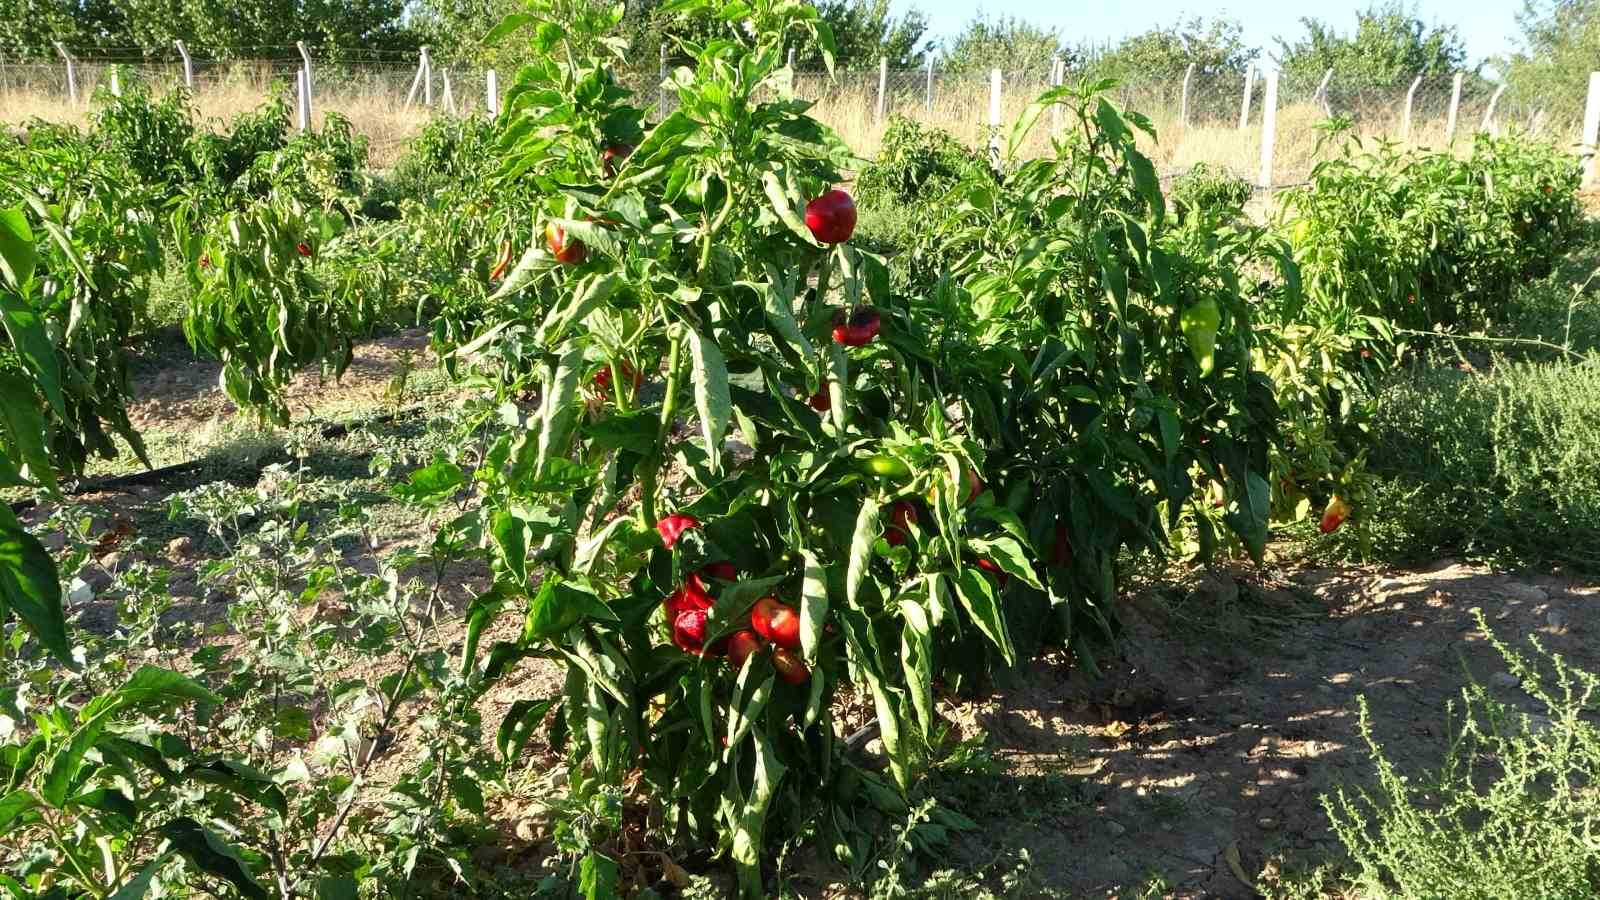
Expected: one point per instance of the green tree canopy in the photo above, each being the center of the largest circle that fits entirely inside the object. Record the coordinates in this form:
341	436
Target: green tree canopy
1389	48
1560	46
1216	48
1004	42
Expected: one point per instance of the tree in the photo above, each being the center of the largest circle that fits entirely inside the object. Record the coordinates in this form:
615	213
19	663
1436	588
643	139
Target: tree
1004	42
864	32
1560	43
1389	48
1165	54
30	28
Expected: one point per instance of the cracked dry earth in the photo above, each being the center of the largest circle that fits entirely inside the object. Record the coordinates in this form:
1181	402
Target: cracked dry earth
1199	757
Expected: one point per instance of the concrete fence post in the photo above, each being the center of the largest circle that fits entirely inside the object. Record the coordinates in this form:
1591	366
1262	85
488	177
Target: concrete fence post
1488	115
994	116
1591	128
1455	107
491	93
416	82
303	104
72	74
305	96
427	78
1269	129
927	103
1183	103
1249	88
883	87
1405	117
1321	95
188	65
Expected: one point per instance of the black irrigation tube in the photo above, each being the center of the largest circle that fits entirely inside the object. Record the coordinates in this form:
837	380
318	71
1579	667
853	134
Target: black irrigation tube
161	475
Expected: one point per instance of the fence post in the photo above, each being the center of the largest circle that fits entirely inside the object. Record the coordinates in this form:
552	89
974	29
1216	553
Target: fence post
1249	88
1591	128
491	93
305	62
1058	74
1455	106
928	103
1183	104
72	74
1322	93
661	85
188	65
416	82
1488	114
883	86
1405	118
427	77
1269	128
449	101
116	81
303	106
994	116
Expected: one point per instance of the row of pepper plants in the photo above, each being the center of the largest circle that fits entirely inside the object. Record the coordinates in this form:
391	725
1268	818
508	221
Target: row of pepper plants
756	478
741	475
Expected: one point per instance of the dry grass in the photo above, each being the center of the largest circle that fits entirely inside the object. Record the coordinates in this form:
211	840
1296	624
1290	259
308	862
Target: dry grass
373	98
374	103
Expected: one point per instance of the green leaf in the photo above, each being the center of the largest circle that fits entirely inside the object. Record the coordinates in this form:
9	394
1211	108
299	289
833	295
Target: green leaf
598	877
509	25
432	484
813	606
778	196
1009	556
139	885
210	854
32	344
510	536
710	394
976	593
866	532
14	805
558	606
30	587
1248	517
17	254
751	820
916	659
518	726
23	422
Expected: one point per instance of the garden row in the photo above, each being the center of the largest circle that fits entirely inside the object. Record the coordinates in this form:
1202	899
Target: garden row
727	467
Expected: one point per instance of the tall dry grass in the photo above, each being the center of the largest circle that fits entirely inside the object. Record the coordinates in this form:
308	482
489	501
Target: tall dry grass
374	101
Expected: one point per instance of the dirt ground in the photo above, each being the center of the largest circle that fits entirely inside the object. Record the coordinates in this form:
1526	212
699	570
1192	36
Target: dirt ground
1198	758
1231	708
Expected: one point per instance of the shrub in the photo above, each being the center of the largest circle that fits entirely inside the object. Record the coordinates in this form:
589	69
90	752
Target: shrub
918	164
1210	190
225	156
1500	463
151	135
1510	812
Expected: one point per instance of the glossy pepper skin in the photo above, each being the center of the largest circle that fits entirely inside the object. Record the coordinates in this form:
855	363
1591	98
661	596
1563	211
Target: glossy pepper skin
612	156
777	622
1333	515
568	250
791	668
832	217
902	515
858	329
674	525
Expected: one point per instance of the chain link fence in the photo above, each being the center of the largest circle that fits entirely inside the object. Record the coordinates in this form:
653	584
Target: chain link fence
1202	118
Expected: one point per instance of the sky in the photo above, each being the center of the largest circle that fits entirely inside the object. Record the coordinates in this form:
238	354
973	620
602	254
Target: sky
1488	27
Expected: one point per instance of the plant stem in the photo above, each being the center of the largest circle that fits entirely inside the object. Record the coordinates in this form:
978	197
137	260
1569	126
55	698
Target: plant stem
669	409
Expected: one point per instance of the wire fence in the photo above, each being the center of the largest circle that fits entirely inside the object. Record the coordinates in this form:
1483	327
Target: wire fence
1201	118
